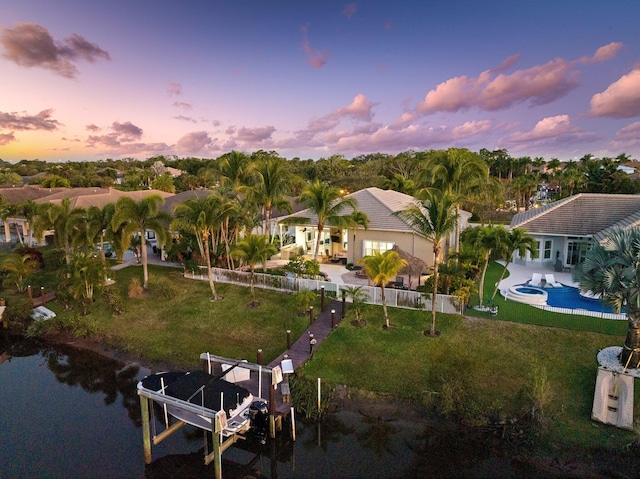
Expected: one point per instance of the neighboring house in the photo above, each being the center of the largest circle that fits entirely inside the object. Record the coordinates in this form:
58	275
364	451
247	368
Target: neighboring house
383	232
566	229
79	198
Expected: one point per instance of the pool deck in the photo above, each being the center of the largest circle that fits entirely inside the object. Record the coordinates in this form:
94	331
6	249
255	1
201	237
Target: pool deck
519	274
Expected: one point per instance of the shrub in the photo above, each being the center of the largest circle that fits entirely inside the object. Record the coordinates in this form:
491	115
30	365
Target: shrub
135	288
302	300
53	259
19	310
113	299
191	265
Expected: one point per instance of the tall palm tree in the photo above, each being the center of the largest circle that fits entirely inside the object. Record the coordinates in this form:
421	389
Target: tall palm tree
432	217
611	269
461	173
203	218
137	218
233	168
486	241
59	218
99	225
382	268
518	239
328	204
254	249
273	180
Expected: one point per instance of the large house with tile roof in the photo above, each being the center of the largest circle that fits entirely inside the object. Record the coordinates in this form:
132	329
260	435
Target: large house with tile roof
566	229
79	198
383	231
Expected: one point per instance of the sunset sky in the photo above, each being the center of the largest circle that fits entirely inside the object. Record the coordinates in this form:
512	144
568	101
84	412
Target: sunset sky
88	80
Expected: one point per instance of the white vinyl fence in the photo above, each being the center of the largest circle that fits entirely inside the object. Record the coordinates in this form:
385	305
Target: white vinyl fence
400	298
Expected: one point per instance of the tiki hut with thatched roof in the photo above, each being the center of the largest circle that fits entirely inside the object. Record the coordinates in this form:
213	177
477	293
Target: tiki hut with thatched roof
415	266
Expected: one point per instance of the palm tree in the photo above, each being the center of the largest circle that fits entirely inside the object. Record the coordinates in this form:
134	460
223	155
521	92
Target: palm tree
273	180
486	241
382	268
461	173
60	218
137	218
518	239
203	218
254	249
19	268
433	217
99	224
611	269
358	297
86	275
328	204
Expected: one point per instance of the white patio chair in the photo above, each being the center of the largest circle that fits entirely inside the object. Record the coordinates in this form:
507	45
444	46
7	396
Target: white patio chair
551	281
536	279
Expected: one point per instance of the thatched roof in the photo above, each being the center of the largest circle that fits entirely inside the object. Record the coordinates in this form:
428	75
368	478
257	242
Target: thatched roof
415	266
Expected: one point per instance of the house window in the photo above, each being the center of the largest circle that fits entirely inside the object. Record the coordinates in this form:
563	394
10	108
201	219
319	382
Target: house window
577	249
368	247
547	249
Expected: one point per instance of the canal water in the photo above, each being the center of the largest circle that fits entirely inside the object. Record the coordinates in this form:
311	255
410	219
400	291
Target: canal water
67	413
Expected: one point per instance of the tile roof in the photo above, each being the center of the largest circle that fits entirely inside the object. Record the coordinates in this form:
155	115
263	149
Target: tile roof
585	214
378	205
15	195
100	197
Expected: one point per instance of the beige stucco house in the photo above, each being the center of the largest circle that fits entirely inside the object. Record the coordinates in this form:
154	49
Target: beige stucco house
383	232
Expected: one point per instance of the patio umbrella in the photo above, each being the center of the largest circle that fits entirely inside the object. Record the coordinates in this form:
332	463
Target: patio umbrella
415	266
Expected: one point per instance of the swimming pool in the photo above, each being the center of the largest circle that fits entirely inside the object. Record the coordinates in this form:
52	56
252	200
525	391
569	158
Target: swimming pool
570	297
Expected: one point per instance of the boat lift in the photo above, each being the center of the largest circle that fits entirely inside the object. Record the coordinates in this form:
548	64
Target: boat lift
218	418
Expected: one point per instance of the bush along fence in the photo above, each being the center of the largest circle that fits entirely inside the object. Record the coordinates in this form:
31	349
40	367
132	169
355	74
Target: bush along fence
399	298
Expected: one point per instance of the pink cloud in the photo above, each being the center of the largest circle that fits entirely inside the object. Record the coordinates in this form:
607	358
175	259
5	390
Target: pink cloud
185	118
174	89
122	133
259	134
92	128
183	105
629	132
604	53
127	130
471	128
621	99
41	121
359	109
540	85
350	10
316	58
6	138
193	142
550	127
31	45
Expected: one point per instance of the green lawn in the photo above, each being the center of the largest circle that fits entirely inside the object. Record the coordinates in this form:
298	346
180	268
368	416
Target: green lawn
177	329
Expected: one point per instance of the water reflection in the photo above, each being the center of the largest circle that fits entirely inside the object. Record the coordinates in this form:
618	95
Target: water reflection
70	413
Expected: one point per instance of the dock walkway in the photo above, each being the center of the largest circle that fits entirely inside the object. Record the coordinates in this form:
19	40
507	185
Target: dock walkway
299	353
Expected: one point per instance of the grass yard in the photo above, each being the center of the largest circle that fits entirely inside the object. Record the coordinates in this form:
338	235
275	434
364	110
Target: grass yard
175	321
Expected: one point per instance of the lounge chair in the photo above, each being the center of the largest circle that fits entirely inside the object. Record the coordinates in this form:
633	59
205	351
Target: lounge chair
536	279
551	281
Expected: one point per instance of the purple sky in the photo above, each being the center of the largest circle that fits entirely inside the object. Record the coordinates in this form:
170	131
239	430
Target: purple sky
134	78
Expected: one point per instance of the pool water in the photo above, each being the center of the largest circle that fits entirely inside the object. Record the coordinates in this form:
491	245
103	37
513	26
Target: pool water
569	297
